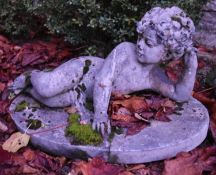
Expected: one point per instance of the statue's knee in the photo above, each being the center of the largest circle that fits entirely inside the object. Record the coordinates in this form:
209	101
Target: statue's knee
41	82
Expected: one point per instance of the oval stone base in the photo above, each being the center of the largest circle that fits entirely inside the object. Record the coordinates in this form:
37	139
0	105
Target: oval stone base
161	140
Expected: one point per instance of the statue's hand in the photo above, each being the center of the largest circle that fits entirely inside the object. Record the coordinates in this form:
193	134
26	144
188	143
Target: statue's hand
101	123
19	84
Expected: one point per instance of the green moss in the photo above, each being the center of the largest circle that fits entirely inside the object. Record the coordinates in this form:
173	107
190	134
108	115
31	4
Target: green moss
34	124
21	106
115	130
86	67
82	134
89	104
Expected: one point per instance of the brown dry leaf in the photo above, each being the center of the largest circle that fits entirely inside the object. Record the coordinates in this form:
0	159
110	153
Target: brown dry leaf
134	113
70	110
3	127
15	142
4	106
136	167
97	166
133	104
174	70
26	169
2	87
5	156
123	118
29	155
192	163
168	103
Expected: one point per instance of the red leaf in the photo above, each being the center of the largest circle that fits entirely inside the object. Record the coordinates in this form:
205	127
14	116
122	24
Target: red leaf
5	156
4	106
2	87
96	166
192	163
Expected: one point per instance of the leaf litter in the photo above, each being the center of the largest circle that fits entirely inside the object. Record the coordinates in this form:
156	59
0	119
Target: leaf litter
137	112
15	59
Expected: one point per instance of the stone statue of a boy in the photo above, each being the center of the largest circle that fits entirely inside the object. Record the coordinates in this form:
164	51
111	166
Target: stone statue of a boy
164	34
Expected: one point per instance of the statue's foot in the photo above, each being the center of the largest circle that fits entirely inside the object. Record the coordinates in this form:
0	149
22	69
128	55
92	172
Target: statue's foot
21	82
102	125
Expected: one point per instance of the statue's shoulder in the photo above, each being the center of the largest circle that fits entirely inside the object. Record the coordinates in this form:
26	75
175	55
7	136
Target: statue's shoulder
127	47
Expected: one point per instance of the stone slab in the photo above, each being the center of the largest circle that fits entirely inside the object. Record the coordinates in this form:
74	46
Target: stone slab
164	139
51	136
159	141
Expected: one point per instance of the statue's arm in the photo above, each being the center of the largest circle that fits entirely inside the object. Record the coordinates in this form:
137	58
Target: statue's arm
103	86
182	90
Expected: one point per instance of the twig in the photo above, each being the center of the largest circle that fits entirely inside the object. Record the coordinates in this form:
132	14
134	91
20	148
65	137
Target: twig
50	129
205	90
79	48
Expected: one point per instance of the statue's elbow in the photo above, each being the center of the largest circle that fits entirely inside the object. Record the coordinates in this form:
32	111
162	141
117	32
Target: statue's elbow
182	98
182	95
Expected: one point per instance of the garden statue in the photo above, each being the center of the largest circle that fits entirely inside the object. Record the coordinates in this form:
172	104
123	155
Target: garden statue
163	34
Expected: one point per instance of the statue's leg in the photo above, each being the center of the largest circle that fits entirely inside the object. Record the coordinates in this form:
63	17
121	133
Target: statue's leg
61	100
64	77
70	98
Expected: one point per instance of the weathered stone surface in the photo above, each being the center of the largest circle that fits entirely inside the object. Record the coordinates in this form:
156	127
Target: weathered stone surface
164	140
206	30
51	136
159	141
163	34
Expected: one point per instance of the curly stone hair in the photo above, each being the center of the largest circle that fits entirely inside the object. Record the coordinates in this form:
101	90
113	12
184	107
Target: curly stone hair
172	27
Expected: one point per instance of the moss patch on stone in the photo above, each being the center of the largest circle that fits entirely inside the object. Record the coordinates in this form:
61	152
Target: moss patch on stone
34	124
89	104
82	134
21	106
86	67
115	130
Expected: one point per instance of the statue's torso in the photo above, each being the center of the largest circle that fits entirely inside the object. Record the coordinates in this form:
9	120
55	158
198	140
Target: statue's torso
133	76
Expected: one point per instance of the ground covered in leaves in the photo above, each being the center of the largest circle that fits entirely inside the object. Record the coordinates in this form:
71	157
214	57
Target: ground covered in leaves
37	54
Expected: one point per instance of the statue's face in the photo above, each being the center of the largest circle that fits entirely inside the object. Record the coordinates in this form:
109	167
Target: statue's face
150	48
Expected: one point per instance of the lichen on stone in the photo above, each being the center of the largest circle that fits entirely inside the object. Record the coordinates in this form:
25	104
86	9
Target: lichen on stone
115	130
89	104
33	124
82	134
86	67
21	106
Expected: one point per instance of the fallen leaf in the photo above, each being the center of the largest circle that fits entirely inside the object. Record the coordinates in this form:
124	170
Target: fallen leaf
132	104
123	118
97	166
2	87
3	127
15	142
192	163
26	169
135	112
70	110
29	155
5	156
168	103
174	70
4	106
